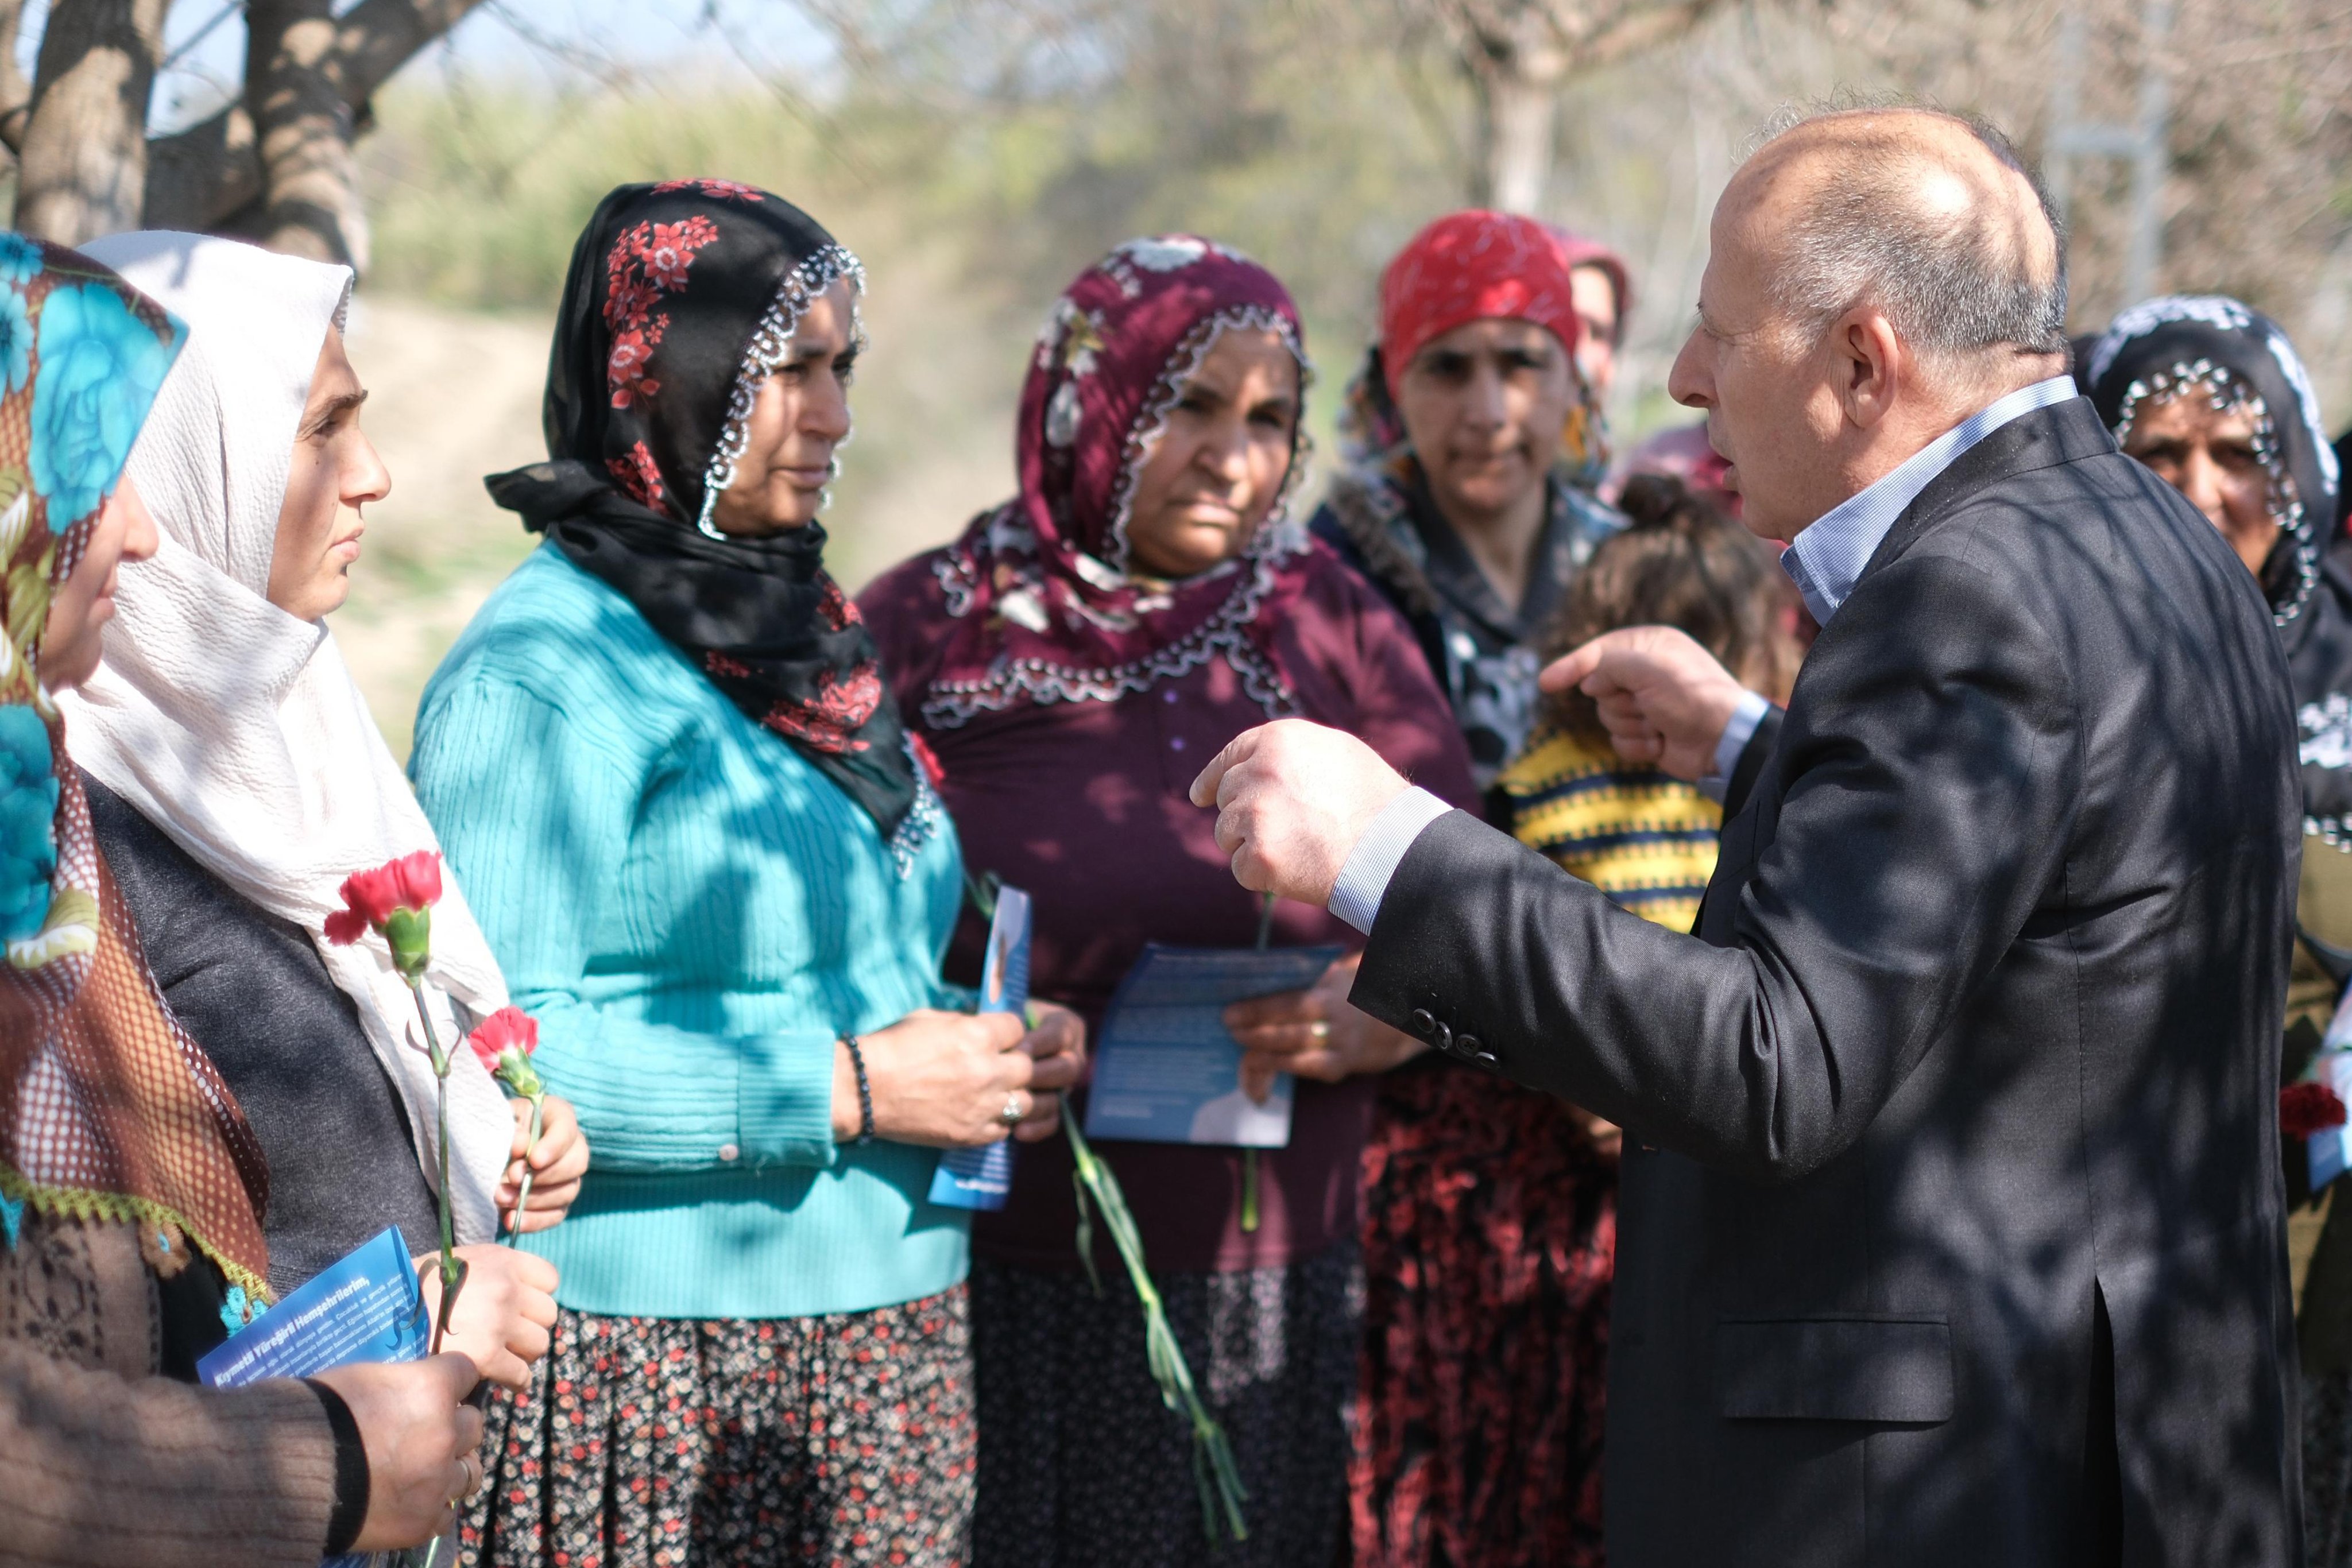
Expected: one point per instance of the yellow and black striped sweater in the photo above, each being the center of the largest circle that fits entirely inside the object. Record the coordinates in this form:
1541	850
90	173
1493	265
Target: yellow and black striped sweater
1645	839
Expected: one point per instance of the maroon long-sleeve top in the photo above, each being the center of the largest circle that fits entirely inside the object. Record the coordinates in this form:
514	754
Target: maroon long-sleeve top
1085	806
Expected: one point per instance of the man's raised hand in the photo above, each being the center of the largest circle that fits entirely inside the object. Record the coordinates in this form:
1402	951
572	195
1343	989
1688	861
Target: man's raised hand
1663	699
1292	799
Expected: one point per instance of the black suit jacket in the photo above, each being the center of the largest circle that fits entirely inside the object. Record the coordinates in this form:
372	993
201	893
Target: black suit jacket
1973	1055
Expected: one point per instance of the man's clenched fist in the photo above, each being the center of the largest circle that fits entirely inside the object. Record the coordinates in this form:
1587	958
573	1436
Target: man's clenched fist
1292	799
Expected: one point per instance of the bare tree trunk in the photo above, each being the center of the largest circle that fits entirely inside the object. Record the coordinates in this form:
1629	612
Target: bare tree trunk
1520	53
83	170
1514	140
294	90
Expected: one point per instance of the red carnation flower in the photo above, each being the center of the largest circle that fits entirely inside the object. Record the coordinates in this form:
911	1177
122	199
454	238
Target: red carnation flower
508	1029
2308	1108
371	897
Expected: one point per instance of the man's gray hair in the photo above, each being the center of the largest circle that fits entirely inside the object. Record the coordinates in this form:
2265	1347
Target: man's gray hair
1950	287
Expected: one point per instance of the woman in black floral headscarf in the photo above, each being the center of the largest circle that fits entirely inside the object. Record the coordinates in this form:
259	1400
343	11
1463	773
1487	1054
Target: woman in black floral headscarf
712	865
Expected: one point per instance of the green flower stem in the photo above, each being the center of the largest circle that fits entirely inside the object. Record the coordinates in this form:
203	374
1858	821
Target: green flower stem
523	1188
453	1273
1214	1469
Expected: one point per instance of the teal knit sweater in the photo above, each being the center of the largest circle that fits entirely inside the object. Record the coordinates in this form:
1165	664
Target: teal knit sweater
694	915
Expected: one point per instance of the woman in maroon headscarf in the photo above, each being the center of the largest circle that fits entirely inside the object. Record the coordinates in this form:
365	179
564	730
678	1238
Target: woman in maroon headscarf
1072	661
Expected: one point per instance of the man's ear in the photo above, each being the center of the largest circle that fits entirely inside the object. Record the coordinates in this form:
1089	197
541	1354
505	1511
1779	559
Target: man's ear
1872	363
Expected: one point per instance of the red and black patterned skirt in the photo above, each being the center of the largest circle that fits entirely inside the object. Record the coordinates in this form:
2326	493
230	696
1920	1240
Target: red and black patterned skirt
665	1443
1490	1236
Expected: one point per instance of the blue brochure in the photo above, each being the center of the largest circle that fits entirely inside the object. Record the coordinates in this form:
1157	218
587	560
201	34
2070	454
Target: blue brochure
1166	1070
364	1307
367	1307
982	1177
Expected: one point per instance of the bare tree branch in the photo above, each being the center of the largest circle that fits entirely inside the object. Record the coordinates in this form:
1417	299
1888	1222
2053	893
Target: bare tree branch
82	168
206	175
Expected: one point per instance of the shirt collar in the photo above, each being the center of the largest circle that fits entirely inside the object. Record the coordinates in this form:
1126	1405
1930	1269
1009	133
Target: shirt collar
1827	558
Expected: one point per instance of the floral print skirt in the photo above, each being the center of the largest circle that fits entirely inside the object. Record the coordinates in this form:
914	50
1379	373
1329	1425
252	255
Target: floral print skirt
1490	1238
663	1442
1081	1466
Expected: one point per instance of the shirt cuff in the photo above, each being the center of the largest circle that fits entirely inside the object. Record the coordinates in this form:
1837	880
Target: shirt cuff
1364	880
1735	737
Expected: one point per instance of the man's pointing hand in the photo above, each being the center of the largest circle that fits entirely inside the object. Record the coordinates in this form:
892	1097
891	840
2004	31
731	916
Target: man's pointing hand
1662	698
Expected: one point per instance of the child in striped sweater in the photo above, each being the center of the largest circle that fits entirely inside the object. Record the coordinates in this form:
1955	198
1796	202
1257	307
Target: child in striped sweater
1645	839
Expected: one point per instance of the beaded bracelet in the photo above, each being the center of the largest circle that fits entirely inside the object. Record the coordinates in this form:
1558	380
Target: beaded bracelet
865	1091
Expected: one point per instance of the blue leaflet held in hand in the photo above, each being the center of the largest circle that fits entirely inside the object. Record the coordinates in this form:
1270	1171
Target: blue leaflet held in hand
365	1307
982	1177
1166	1069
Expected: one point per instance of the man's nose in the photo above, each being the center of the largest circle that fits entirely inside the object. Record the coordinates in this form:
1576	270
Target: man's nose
1691	383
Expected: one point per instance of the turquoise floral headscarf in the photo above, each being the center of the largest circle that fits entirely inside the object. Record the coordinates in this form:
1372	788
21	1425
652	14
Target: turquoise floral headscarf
82	355
107	1111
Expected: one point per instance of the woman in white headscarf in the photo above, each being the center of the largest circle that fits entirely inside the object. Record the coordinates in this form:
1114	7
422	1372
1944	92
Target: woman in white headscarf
236	778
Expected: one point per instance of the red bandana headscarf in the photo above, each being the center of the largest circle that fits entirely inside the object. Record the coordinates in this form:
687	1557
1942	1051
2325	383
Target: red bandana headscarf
1046	608
1468	267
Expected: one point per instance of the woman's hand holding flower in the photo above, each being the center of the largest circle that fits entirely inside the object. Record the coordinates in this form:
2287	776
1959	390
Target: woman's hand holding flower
556	1163
502	1317
1314	1033
945	1079
1057	1041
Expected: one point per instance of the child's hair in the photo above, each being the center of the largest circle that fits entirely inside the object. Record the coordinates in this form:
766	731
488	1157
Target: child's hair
1679	562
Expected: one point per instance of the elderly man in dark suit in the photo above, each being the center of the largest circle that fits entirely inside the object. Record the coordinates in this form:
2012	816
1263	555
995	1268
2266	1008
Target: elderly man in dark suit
1951	1228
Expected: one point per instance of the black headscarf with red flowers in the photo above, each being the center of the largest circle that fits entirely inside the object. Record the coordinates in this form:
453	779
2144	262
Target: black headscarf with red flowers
681	301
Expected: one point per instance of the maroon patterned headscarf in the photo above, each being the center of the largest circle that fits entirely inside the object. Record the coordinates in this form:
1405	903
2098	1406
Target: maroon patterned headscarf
1046	608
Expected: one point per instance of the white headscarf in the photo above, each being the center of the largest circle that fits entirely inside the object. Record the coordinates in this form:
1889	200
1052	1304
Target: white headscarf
237	730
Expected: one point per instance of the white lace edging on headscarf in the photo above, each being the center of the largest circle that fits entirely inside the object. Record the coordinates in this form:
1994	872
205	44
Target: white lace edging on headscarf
237	730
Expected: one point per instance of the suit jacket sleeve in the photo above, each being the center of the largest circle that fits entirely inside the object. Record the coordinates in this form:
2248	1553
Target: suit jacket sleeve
1926	766
1752	759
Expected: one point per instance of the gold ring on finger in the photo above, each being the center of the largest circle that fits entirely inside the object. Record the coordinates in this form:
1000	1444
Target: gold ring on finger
1319	1030
1011	1113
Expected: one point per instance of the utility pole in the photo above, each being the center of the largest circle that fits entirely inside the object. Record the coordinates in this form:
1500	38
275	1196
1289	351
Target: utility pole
2142	144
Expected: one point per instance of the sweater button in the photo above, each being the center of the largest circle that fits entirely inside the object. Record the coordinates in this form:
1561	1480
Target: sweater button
729	1154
